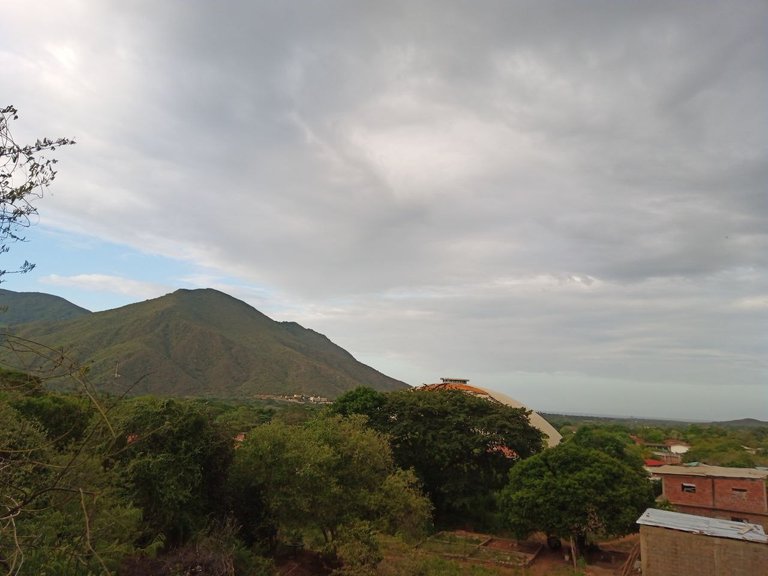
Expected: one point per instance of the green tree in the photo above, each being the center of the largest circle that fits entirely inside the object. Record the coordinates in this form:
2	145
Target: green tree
173	461
573	491
24	175
24	454
83	527
328	473
64	417
653	435
243	417
460	446
59	511
615	443
362	400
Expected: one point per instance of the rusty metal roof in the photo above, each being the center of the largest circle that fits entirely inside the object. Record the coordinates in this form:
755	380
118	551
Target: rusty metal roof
703	525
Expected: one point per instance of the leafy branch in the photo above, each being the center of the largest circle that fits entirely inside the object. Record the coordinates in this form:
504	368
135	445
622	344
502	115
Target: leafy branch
25	173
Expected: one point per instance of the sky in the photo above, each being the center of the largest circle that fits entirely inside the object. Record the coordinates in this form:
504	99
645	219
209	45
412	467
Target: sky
563	201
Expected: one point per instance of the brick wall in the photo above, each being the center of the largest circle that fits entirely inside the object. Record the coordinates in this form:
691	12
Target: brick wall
666	552
703	497
732	494
741	495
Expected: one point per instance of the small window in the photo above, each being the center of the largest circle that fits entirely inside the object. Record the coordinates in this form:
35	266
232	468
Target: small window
691	488
739	490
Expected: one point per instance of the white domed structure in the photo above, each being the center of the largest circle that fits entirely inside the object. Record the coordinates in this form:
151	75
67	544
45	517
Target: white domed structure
553	437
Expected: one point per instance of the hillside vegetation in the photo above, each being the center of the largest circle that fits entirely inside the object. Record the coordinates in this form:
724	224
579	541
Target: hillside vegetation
151	486
23	307
199	343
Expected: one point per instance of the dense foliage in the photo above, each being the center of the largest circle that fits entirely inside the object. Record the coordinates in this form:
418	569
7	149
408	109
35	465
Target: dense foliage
61	511
721	446
739	443
575	491
460	446
152	486
101	488
172	460
328	474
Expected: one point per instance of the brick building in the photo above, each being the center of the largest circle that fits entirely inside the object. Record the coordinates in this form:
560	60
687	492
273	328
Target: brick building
674	544
717	492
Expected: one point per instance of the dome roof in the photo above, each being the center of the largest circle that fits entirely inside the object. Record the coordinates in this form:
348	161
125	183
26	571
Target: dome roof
553	437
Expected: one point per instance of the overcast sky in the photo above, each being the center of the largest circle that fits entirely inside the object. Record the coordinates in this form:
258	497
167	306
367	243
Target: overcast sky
565	201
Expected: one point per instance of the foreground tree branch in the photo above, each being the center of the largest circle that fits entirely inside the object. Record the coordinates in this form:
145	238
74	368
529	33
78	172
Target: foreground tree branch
25	173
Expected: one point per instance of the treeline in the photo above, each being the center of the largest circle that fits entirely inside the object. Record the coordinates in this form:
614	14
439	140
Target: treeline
152	486
731	445
727	446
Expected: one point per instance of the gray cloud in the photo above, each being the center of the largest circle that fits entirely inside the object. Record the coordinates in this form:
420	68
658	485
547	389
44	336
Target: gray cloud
427	181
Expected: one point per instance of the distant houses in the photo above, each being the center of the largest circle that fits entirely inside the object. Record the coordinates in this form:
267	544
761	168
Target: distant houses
670	451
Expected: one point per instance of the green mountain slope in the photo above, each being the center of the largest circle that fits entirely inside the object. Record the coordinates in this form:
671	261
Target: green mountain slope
23	307
205	343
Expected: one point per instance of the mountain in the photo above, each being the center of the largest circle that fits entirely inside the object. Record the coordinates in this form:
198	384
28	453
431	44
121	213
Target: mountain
204	343
22	307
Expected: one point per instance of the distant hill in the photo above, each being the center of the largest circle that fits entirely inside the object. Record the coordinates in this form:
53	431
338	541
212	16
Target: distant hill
742	423
558	420
205	343
23	307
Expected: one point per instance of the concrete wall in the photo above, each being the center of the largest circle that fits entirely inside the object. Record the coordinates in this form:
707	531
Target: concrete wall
666	552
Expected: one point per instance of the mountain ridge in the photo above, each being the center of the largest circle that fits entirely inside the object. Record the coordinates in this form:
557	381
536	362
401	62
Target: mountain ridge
204	343
25	307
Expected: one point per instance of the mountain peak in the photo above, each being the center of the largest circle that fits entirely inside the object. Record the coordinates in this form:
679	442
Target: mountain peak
204	342
23	307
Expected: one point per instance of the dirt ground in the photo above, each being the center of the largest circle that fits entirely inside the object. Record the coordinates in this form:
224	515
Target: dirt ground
607	561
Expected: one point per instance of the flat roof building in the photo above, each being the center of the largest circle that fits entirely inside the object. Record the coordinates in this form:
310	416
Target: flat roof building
738	494
675	544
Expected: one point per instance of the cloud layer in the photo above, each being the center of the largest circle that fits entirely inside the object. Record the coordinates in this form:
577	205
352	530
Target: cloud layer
569	191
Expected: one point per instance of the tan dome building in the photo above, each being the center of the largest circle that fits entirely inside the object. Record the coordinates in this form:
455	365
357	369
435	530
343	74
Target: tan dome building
553	437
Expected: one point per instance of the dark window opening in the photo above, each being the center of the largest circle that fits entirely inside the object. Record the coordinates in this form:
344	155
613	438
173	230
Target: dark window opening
691	488
739	493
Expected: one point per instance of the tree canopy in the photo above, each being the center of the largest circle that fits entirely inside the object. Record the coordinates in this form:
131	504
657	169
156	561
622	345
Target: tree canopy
60	510
615	443
460	446
328	473
572	490
173	461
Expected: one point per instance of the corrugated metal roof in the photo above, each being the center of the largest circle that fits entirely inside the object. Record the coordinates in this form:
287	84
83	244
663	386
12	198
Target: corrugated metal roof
703	525
706	470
